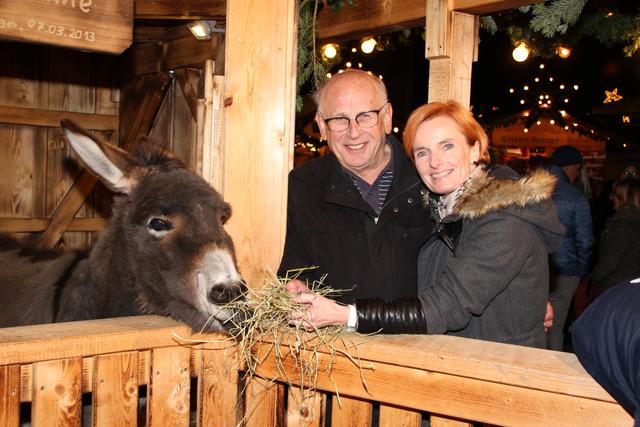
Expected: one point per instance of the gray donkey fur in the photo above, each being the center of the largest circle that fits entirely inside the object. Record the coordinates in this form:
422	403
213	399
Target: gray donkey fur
164	251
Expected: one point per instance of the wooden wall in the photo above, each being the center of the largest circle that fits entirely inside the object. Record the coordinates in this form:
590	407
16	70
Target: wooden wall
38	86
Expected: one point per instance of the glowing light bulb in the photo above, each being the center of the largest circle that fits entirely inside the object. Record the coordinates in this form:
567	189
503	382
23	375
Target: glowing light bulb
329	50
368	45
521	52
563	52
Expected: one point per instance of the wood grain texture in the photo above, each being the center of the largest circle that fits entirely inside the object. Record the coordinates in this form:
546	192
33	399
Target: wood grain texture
394	416
48	118
350	412
17	170
184	9
10	395
37	225
218	399
105	26
57	387
264	403
260	77
169	387
115	390
305	408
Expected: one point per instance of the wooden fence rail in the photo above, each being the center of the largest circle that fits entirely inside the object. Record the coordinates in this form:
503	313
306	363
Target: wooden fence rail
138	370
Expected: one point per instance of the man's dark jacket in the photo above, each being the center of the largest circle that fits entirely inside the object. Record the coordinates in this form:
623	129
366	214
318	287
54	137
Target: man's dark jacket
329	225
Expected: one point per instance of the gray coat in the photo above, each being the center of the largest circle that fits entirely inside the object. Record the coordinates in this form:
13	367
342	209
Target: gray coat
490	281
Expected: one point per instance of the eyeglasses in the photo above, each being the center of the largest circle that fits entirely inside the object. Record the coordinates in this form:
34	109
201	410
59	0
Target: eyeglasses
366	119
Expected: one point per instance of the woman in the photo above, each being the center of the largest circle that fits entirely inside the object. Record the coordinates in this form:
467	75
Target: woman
483	273
620	240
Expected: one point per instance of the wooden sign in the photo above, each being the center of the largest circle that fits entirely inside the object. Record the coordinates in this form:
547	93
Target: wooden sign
93	25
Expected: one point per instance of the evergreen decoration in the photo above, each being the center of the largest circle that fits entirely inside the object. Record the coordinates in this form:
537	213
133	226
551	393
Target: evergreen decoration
310	68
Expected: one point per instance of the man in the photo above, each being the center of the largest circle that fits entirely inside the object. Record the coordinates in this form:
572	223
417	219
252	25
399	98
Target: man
571	262
357	214
607	343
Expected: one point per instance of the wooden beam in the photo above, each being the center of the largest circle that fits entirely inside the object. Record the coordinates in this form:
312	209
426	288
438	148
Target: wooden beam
376	16
36	225
183	51
50	118
485	7
260	85
183	9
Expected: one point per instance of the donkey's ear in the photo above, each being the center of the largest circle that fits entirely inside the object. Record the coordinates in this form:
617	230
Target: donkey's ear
111	164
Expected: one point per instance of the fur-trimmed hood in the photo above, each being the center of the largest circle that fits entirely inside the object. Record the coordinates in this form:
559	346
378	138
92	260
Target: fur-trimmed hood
500	190
485	193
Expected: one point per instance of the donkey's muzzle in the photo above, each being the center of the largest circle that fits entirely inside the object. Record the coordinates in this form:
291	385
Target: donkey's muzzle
223	294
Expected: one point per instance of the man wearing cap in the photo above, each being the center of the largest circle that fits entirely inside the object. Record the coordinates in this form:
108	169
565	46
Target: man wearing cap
571	262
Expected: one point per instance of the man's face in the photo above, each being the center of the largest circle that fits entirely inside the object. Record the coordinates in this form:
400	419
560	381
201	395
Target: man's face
360	150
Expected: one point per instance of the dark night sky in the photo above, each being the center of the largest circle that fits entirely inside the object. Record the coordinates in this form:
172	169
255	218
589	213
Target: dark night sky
591	66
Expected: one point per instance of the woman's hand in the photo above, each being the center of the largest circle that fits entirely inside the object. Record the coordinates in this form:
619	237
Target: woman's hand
319	311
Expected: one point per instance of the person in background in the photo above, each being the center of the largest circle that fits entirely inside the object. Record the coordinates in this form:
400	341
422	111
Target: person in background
619	252
474	278
356	213
571	262
606	340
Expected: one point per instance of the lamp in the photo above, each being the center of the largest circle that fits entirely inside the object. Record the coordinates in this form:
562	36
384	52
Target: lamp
521	52
202	29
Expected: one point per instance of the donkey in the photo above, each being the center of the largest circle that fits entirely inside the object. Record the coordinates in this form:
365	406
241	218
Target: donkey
164	250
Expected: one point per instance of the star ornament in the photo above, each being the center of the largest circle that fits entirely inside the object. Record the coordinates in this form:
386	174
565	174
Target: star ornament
611	96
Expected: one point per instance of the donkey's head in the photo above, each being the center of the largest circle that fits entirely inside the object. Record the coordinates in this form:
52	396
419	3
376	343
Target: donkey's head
167	230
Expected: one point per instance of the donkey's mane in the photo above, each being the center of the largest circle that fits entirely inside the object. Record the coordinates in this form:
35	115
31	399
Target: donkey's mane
148	153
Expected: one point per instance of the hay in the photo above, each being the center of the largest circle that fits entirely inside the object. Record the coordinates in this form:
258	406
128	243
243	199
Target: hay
263	317
260	327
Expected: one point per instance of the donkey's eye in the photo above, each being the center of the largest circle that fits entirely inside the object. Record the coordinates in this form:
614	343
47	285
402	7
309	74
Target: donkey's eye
159	226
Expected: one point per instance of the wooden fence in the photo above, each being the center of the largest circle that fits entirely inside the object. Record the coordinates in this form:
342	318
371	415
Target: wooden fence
137	370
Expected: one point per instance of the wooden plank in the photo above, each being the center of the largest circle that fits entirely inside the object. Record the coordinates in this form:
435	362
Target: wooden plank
305	408
183	137
17	166
48	118
349	412
169	389
437	421
393	416
10	395
36	225
57	398
115	390
105	26
184	9
264	403
189	79
218	401
374	16
260	84
23	83
456	396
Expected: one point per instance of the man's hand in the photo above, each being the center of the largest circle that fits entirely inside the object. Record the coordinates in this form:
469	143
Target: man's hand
319	311
548	317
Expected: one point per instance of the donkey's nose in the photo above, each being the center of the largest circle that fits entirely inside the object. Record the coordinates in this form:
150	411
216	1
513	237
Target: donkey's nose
221	294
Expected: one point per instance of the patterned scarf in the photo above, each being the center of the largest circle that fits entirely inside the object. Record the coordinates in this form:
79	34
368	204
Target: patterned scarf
443	206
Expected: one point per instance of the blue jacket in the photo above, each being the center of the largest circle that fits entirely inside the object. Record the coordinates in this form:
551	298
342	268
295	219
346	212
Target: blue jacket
606	339
573	257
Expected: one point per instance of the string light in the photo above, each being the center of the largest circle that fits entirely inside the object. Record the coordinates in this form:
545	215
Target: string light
563	52
521	52
368	45
329	50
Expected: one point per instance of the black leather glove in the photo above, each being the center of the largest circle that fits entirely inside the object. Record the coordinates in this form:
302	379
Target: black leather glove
401	316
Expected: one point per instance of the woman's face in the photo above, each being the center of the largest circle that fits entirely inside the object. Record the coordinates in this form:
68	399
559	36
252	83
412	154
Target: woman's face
443	157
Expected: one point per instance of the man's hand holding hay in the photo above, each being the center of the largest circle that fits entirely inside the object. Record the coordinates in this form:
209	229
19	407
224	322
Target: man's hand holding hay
320	310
